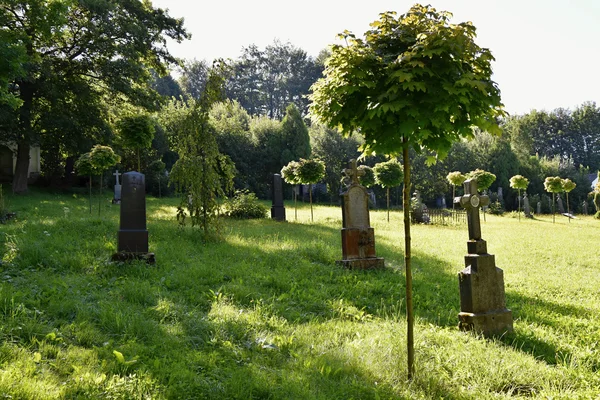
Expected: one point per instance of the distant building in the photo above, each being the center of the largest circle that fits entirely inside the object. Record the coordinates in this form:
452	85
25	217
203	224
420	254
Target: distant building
8	161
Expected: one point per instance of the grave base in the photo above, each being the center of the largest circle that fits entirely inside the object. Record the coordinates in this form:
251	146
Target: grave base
278	213
362	263
493	323
124	256
132	240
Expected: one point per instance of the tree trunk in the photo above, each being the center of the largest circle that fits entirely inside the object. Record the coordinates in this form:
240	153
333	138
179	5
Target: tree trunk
295	206
310	199
553	212
388	204
453	195
519	198
21	173
568	211
90	194
410	342
100	197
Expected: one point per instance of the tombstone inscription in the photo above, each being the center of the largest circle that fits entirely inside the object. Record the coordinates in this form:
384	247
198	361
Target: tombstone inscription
132	237
358	238
277	209
481	283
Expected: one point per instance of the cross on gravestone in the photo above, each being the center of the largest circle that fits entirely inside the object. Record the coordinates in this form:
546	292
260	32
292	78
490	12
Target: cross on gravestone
117	195
353	172
472	201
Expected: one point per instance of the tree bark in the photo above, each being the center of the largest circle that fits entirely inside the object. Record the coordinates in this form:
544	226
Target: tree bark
410	342
24	142
22	168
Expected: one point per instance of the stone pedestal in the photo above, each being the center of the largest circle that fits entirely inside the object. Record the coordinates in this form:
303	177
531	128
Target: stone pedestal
277	209
132	237
482	297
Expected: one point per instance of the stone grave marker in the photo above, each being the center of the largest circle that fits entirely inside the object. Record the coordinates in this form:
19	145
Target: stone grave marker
500	195
117	196
585	208
539	208
132	237
277	209
561	207
358	238
482	299
526	206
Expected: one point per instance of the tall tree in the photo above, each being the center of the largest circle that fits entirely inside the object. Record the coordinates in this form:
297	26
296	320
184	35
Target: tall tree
193	79
295	141
415	81
80	50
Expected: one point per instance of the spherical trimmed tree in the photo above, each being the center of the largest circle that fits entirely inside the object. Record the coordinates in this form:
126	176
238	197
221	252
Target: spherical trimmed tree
519	182
455	178
367	178
310	172
552	185
136	132
567	186
289	173
102	158
84	166
388	174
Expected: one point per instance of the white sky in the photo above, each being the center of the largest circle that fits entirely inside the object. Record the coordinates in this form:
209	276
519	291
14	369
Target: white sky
547	51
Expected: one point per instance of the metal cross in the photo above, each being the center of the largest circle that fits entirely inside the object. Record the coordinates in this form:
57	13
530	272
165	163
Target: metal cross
353	172
471	201
116	174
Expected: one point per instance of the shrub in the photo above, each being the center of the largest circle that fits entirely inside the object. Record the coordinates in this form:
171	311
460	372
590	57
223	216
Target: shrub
496	208
245	205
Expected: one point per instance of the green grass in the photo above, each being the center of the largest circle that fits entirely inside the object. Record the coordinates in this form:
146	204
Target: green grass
264	312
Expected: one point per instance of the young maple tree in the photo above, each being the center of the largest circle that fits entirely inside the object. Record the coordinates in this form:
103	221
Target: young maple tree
415	80
553	184
519	182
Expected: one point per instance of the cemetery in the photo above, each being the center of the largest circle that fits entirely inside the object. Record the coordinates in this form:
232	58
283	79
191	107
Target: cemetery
286	226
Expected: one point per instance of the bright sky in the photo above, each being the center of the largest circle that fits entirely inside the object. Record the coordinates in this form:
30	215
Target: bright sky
547	51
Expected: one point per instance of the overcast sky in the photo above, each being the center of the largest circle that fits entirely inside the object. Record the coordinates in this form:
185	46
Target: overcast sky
547	52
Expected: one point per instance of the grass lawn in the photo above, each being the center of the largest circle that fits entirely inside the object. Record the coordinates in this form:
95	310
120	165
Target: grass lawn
264	312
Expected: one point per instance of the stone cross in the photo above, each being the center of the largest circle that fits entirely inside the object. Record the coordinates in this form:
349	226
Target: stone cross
472	201
353	172
117	174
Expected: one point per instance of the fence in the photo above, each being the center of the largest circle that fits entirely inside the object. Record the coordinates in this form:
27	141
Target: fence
443	216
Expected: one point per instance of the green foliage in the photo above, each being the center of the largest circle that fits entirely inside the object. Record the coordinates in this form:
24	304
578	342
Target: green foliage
496	208
403	84
367	179
310	171
103	157
295	141
289	173
484	178
568	185
519	182
456	178
245	205
553	184
84	165
136	131
389	173
79	60
201	174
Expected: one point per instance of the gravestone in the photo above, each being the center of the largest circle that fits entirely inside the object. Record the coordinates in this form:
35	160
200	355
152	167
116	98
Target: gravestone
561	208
132	237
526	206
539	207
358	238
500	196
482	299
417	208
585	208
277	209
117	197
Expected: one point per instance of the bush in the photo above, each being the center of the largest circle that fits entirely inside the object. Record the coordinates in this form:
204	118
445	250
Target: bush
496	208
245	205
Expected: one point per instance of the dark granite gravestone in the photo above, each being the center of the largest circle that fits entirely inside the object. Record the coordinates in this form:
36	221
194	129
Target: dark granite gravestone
117	196
526	206
482	299
277	209
132	238
358	238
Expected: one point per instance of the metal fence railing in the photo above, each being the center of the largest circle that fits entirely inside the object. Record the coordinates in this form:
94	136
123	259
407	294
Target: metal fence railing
443	216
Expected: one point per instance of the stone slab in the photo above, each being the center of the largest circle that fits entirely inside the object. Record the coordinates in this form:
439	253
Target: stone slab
491	323
278	213
358	243
132	241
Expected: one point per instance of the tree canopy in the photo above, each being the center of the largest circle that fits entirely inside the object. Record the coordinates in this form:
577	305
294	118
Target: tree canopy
73	53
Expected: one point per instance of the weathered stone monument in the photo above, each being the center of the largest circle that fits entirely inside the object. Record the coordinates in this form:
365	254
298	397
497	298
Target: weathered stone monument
358	238
117	196
539	207
585	208
277	209
482	299
561	207
500	195
526	206
132	237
